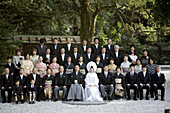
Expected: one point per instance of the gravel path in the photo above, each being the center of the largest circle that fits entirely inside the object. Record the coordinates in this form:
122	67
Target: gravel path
120	106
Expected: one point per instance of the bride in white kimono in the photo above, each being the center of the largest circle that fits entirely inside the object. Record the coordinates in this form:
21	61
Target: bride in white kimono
92	92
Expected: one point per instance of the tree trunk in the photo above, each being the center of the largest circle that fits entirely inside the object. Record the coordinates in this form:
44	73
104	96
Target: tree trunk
88	22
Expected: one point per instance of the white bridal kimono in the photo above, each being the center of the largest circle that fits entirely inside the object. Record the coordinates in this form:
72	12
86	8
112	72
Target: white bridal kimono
92	92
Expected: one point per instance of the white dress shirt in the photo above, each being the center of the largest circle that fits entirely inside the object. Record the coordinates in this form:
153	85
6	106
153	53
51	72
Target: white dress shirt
96	46
89	55
144	73
21	76
109	46
62	56
116	54
7	76
106	74
69	46
103	56
75	55
84	47
34	76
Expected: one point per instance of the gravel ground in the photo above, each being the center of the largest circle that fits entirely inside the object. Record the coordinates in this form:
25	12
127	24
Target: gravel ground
120	106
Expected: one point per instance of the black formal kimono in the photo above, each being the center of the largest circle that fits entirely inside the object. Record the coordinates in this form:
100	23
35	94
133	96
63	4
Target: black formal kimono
109	51
100	65
106	81
122	90
55	50
50	78
159	80
82	51
38	83
96	51
66	49
106	59
67	66
87	59
118	60
41	51
131	79
60	80
11	68
144	80
62	62
75	60
83	67
6	83
121	77
23	83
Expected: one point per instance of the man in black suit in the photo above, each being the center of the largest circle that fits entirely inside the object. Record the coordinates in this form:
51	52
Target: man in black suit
144	80
55	48
83	48
89	56
96	48
159	83
6	85
23	81
60	83
68	47
10	65
76	80
131	82
117	55
38	83
62	58
48	57
75	56
41	48
106	83
109	47
104	58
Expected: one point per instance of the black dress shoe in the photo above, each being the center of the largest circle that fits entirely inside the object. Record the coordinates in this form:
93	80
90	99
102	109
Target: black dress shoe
3	101
152	96
33	102
9	101
55	100
162	99
147	98
16	102
30	102
104	98
128	99
156	98
135	99
141	98
22	101
110	98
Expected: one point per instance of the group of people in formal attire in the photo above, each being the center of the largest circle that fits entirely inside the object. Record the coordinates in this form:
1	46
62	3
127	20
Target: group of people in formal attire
83	74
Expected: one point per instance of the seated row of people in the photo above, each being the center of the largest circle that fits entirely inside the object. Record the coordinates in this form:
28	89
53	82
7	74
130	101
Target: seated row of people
33	86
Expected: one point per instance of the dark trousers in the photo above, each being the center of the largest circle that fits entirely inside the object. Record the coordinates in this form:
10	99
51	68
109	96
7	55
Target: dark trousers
141	91
162	88
128	90
9	94
56	90
40	94
106	87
